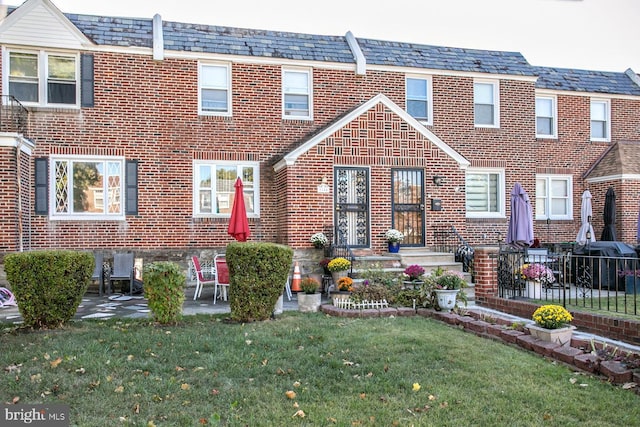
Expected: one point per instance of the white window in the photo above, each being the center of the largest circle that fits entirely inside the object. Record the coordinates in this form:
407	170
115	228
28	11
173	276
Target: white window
600	123
215	89
419	98
214	189
554	197
546	117
87	188
296	94
484	190
486	103
43	78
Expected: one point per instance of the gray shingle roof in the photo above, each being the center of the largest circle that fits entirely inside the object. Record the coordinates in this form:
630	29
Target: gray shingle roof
586	81
381	52
112	31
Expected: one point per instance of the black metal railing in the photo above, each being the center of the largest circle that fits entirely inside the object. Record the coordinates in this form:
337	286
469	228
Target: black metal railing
449	240
340	247
597	283
13	116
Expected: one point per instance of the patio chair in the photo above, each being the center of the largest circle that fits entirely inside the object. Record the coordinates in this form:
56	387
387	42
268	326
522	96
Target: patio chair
200	279
123	270
98	272
221	277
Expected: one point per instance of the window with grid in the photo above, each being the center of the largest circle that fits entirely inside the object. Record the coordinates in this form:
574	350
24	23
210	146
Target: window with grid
485	99
214	189
43	78
484	191
546	117
87	188
296	94
215	90
554	197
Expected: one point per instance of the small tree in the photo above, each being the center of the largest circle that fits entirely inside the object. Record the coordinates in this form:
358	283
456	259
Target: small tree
258	273
48	285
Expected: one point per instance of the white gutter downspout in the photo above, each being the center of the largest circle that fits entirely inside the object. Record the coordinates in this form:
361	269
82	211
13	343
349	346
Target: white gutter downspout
19	176
361	61
158	38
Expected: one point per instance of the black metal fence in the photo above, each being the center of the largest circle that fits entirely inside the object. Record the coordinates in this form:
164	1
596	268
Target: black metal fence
449	240
13	116
605	283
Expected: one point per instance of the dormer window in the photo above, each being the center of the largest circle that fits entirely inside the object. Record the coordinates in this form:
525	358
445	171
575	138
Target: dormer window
43	78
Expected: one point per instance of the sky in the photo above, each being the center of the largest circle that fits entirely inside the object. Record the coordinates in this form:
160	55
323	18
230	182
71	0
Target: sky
586	34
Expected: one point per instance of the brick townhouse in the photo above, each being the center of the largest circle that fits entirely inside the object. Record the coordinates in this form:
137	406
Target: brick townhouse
127	133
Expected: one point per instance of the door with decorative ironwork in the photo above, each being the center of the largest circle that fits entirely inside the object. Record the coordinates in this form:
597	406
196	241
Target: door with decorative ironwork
407	204
352	206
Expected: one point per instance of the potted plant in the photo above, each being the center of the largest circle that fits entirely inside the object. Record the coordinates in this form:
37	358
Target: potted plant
632	281
338	267
309	300
324	264
412	275
552	324
447	285
345	284
394	237
319	240
535	275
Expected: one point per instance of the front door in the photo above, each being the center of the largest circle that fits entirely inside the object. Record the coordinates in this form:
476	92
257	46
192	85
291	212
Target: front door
352	206
408	204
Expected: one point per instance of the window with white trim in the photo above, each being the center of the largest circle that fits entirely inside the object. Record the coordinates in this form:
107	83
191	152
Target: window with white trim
486	103
600	123
554	197
418	92
297	94
87	188
214	189
215	89
484	191
43	78
546	117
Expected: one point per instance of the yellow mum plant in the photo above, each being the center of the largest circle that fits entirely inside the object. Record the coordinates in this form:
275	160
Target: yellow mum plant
552	316
339	264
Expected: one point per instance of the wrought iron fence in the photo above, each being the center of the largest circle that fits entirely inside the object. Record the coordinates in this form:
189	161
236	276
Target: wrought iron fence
599	283
449	240
13	116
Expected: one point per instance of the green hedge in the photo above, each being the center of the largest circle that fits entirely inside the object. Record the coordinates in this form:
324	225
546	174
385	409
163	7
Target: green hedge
48	285
164	283
258	273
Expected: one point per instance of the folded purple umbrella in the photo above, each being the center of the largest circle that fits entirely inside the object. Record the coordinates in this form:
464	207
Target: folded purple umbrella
520	231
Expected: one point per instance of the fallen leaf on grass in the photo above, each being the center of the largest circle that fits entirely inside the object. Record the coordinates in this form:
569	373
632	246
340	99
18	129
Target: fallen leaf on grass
300	414
56	362
573	380
346	362
444	404
432	397
416	387
15	400
296	384
80	371
13	368
179	368
290	394
203	421
215	392
628	386
295	405
185	386
264	362
36	378
119	389
130	357
363	395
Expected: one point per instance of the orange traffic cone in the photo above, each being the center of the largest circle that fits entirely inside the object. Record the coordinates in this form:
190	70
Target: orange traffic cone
297	278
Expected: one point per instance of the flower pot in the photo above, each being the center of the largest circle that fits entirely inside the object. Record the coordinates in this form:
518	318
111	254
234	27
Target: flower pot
308	303
412	284
336	275
632	285
533	289
394	247
279	308
447	298
560	336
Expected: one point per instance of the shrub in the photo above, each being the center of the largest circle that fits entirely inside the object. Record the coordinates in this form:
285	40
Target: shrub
258	273
309	285
48	285
367	292
164	283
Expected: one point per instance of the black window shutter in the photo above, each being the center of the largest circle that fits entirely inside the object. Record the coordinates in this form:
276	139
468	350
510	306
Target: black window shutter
41	181
86	80
131	188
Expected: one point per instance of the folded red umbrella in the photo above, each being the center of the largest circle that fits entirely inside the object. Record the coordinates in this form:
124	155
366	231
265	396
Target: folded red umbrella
238	223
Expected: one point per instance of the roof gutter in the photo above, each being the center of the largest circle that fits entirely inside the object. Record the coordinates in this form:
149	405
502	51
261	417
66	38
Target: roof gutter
361	61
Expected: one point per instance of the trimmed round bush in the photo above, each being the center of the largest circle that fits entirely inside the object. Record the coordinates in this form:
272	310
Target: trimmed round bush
48	285
164	283
258	273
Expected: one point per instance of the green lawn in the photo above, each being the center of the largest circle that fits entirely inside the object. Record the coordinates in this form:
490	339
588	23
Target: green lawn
345	372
